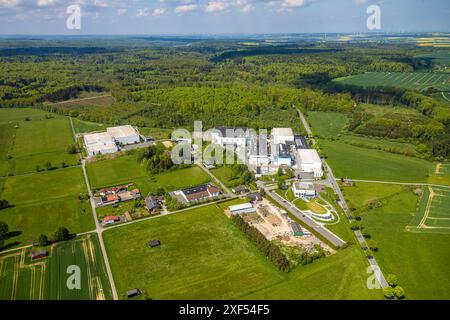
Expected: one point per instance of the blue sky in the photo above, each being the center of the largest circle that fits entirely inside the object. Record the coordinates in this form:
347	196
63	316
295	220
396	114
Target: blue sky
220	16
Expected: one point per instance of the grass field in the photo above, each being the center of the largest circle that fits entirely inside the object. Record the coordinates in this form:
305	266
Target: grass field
41	141
225	175
81	126
354	162
420	260
42	202
126	169
418	81
327	124
433	214
204	256
17	115
6	139
441	174
97	101
23	279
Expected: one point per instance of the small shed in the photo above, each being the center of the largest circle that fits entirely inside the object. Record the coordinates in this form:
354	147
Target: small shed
239	189
38	254
133	293
154	243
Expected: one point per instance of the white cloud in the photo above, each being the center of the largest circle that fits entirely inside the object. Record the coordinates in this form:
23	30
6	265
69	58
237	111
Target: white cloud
143	12
9	3
247	8
159	12
186	8
216	6
121	11
46	3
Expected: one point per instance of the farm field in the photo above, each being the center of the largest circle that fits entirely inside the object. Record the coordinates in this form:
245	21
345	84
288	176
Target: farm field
15	115
23	279
433	214
204	256
156	133
441	174
81	126
418	81
97	101
40	141
419	259
353	162
225	175
6	138
327	124
126	169
42	202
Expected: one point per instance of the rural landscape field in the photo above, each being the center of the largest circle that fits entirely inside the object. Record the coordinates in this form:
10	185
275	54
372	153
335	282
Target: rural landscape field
244	151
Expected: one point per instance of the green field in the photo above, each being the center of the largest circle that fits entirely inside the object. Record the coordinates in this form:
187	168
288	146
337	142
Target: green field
366	164
15	115
40	141
441	174
420	260
327	124
204	256
45	279
225	175
126	169
6	138
418	81
81	126
42	202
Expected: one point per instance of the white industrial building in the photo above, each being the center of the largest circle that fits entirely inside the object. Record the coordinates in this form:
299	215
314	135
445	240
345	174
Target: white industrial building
303	189
241	208
99	143
258	151
124	134
282	135
310	162
106	142
229	136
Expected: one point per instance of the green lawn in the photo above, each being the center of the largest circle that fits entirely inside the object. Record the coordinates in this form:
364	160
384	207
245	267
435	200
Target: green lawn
15	115
41	136
204	256
6	139
419	259
42	202
40	141
225	175
46	278
327	124
36	187
81	126
367	164
126	169
156	133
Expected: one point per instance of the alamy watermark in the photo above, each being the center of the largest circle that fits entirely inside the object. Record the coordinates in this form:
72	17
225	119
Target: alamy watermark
74	279
374	19
373	282
73	22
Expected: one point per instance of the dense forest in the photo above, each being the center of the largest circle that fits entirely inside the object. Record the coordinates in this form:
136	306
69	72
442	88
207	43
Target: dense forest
170	82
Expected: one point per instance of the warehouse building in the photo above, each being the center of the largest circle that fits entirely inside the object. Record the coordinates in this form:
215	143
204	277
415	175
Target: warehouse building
310	162
99	143
124	134
282	135
241	208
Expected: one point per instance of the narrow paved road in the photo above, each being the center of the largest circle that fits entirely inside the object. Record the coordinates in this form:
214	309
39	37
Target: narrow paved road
373	263
229	193
313	225
99	231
